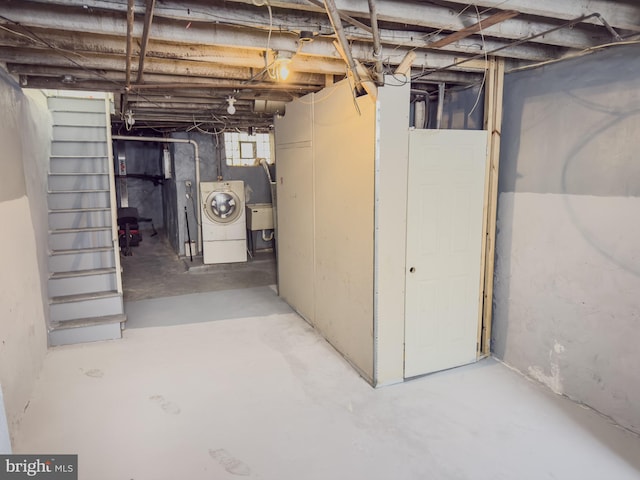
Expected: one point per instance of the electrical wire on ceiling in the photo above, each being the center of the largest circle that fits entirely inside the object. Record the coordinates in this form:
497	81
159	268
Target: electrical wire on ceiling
428	36
268	47
486	64
586	51
35	38
567	24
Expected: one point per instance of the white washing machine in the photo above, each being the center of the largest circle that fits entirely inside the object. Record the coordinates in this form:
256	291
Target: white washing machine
224	231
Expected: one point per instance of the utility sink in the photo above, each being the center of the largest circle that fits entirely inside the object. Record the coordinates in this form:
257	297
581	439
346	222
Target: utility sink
259	216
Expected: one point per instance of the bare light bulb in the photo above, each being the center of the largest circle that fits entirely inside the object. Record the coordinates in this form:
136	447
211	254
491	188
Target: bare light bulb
283	69
231	109
283	64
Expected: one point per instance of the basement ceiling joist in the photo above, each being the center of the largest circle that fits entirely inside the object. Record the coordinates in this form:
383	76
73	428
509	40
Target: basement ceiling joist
199	52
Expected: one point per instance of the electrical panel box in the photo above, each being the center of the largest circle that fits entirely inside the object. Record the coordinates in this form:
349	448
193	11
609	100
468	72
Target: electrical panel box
259	216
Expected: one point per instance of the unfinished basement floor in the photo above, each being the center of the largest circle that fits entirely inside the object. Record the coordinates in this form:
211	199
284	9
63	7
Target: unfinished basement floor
265	397
155	270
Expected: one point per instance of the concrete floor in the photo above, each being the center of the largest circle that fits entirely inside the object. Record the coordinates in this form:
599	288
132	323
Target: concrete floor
224	382
266	397
155	270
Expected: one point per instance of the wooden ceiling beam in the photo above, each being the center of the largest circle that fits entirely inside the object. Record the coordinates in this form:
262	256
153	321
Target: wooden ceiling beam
430	15
76	17
475	28
144	42
623	15
98	62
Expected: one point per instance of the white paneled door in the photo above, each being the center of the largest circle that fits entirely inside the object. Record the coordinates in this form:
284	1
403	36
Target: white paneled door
444	236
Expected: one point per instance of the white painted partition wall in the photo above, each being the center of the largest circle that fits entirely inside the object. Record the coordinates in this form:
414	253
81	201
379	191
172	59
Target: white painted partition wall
325	195
294	180
342	191
392	161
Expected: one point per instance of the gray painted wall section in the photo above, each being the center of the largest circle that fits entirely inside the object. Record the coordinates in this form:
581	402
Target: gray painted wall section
25	138
146	159
566	303
165	203
12	166
458	110
212	164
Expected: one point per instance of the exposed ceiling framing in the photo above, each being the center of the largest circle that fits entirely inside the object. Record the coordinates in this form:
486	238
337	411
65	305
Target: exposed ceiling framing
174	63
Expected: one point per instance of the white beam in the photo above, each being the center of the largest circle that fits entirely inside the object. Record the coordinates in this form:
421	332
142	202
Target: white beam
438	17
114	81
401	12
153	65
200	34
84	43
292	22
621	14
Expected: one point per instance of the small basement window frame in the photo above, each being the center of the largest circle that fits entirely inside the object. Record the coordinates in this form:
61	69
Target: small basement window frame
244	150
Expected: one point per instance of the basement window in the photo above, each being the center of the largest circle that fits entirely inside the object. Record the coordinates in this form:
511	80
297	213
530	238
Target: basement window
244	150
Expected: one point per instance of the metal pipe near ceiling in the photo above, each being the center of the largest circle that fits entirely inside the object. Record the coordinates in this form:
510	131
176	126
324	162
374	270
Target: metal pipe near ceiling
130	19
440	105
334	18
344	16
570	23
196	153
377	45
148	18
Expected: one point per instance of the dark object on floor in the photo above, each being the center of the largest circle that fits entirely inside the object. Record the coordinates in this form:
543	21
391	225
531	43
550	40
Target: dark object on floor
186	218
150	220
128	231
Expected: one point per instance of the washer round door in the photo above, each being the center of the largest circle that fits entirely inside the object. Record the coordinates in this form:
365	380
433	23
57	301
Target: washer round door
222	206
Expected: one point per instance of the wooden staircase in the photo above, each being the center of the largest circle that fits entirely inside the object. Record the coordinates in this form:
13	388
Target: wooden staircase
85	288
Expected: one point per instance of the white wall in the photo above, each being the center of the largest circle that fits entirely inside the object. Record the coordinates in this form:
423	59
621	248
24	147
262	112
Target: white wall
24	136
392	151
295	204
567	278
326	221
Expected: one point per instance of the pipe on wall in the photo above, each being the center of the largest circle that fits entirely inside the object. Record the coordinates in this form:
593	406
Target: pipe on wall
440	105
377	45
196	153
334	18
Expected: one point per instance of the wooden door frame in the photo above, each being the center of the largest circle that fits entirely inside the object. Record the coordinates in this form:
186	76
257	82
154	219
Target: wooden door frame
494	86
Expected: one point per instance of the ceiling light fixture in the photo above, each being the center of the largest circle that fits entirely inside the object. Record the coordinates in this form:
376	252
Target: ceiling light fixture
282	64
129	121
231	109
305	36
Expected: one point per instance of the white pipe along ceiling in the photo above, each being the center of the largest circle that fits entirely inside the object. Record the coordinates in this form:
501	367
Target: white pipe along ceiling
172	65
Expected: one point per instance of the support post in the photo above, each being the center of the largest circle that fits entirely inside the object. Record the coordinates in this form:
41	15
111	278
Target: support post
493	124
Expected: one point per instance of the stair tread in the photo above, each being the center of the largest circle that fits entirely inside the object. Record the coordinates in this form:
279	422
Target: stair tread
77	156
83	296
76	210
75	140
77	191
87	322
82	273
76	251
79	230
75	174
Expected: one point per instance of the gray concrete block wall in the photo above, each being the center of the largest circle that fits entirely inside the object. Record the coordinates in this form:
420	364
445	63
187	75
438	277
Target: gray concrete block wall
165	203
458	112
212	165
146	159
566	302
